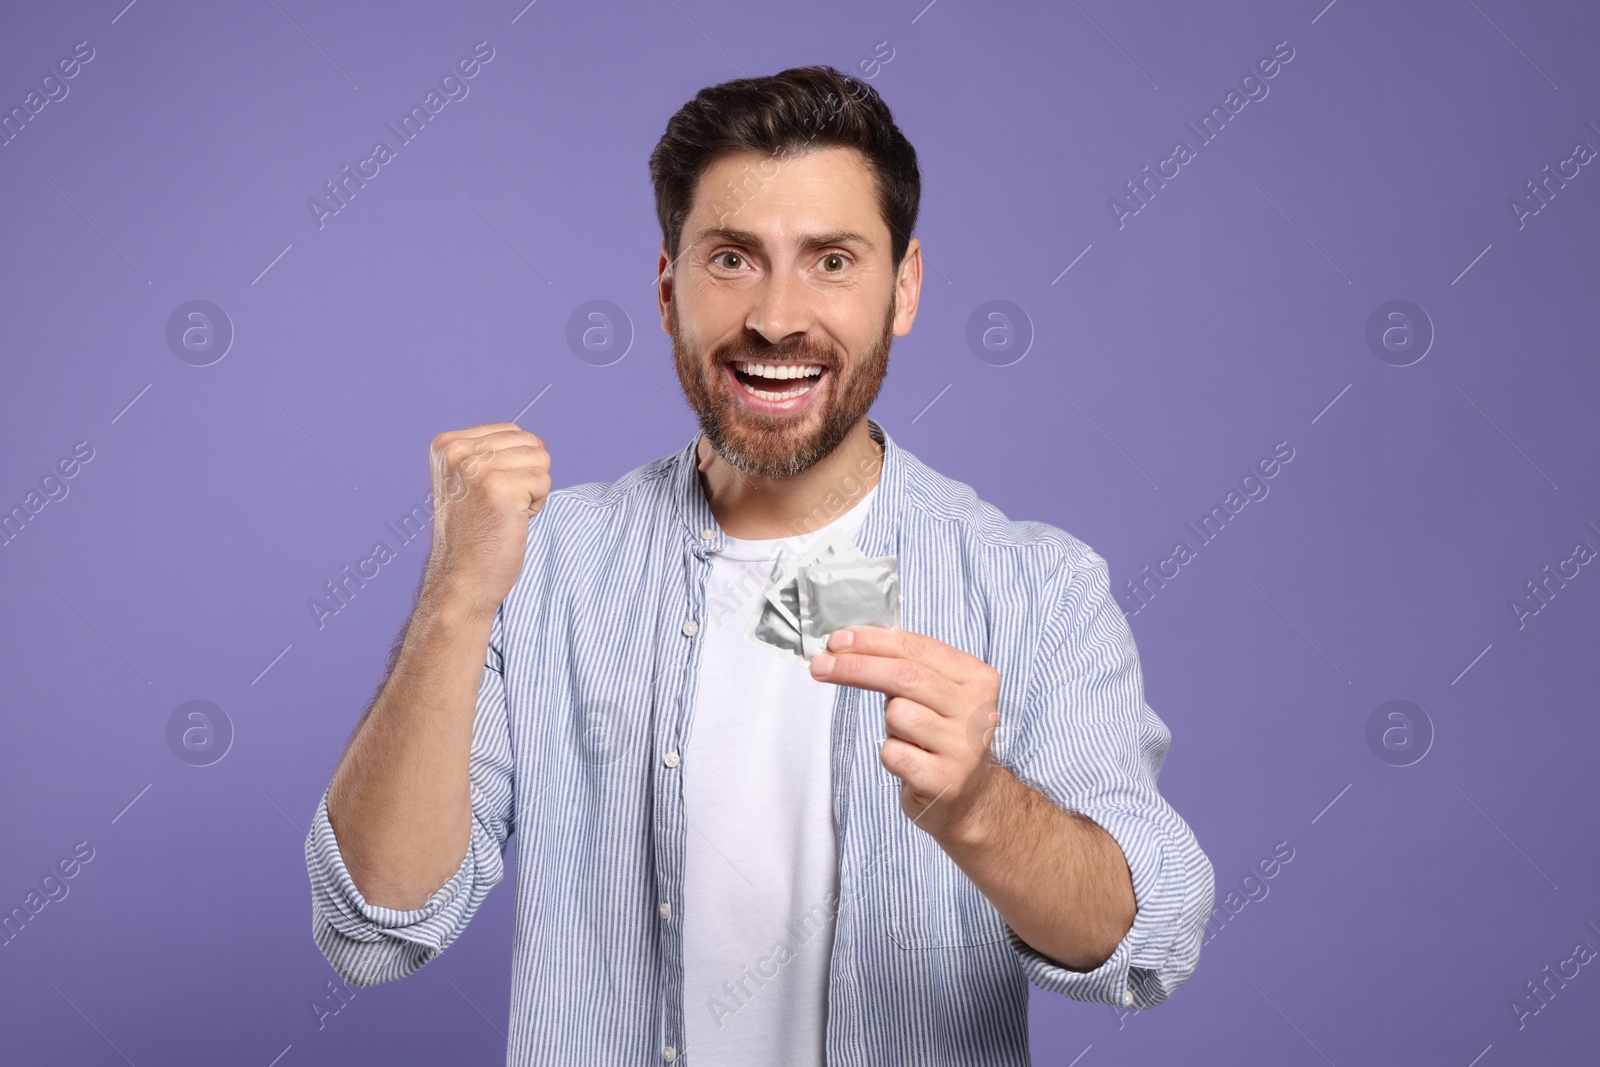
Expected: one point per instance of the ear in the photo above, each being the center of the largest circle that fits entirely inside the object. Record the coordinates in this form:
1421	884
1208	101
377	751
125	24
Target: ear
664	289
907	288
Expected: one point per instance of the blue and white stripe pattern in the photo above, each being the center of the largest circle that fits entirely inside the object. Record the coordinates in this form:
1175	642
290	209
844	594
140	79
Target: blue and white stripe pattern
585	707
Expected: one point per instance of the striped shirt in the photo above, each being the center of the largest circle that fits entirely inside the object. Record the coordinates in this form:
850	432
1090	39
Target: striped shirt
586	702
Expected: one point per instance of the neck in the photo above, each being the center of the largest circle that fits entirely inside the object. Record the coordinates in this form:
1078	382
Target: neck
759	509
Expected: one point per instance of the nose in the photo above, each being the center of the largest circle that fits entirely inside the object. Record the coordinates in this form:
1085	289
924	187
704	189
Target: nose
782	308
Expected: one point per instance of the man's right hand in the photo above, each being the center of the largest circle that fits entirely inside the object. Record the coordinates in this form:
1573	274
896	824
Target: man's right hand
488	482
400	803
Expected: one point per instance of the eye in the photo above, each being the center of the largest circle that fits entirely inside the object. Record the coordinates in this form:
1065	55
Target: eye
722	258
833	263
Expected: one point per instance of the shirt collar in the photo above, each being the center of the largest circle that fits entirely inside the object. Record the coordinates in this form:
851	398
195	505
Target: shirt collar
878	536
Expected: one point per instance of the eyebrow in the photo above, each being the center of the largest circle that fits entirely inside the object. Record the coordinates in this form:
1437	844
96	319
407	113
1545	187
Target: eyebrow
812	241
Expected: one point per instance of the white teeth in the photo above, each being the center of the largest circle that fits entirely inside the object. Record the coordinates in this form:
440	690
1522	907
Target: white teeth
788	394
774	370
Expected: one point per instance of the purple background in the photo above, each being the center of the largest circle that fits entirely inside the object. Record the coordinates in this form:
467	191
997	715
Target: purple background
1228	315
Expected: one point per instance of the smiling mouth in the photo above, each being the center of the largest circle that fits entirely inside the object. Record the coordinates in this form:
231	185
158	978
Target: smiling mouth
777	382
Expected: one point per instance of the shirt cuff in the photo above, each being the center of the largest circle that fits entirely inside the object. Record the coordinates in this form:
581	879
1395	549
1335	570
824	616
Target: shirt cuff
368	944
1160	949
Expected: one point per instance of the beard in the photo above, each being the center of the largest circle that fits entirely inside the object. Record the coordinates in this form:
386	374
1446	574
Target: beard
766	446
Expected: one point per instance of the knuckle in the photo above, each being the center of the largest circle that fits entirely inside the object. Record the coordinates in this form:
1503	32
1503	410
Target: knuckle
889	756
895	712
437	445
906	674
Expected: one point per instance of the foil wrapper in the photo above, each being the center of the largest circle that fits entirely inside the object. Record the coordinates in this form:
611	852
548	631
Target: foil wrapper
777	624
830	586
862	592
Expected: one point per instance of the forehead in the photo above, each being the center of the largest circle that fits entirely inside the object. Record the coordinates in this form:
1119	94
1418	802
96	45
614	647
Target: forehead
780	196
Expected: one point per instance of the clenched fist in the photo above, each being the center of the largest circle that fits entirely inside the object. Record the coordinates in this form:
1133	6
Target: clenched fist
488	482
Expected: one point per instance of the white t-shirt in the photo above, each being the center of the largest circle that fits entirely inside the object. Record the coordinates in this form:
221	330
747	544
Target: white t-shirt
761	864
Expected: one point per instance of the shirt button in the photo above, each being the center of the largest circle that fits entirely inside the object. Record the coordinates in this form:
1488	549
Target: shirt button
1127	999
665	909
691	628
671	759
707	535
669	1054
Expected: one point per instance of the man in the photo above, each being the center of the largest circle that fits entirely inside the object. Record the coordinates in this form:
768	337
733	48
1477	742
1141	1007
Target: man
727	855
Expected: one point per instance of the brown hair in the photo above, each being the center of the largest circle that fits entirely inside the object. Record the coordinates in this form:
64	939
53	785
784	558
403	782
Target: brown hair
785	114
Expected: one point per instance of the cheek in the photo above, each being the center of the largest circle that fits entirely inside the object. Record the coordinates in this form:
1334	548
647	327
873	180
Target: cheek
710	317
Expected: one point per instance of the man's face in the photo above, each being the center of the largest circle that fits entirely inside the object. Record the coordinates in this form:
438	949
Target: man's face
782	304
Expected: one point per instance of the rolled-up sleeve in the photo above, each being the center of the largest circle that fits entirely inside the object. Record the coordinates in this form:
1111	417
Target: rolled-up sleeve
367	944
1089	743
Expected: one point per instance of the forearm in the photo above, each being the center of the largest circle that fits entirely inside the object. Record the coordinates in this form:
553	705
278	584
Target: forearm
400	801
1058	879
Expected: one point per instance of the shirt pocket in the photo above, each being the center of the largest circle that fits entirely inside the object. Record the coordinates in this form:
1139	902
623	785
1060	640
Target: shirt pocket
933	904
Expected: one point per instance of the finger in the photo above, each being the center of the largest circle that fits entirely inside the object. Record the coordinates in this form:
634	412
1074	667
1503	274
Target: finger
914	723
958	666
517	457
913	766
893	677
521	471
472	454
494	434
925	776
502	439
480	431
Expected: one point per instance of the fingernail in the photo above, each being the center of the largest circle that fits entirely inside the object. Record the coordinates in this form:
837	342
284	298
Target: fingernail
841	639
821	663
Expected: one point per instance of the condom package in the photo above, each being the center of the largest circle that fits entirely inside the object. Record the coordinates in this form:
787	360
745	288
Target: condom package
831	586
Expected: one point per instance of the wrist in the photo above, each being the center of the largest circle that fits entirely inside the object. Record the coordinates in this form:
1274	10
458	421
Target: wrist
988	818
455	603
